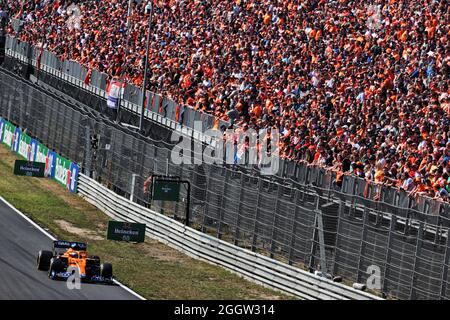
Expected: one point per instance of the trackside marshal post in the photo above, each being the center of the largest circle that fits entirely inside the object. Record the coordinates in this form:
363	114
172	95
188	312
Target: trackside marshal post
167	188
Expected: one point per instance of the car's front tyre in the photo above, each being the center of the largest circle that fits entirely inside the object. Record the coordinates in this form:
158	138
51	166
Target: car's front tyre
106	270
56	266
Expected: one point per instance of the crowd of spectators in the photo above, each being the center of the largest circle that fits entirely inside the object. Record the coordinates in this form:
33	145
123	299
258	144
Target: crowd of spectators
361	87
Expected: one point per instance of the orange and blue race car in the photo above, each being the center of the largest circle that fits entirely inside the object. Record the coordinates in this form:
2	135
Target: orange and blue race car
68	257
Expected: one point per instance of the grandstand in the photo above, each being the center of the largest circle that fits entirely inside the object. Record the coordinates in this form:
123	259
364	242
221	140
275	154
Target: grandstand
358	87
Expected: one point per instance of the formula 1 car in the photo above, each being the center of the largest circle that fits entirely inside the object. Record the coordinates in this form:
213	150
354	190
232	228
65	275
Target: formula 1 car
68	257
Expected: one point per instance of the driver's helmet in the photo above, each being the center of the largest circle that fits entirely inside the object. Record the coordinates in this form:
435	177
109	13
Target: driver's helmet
72	253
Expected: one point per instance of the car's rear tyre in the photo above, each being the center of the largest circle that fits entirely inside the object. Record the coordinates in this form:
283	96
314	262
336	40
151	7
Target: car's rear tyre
43	260
56	266
106	270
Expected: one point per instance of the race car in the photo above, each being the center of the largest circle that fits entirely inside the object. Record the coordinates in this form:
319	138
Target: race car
67	257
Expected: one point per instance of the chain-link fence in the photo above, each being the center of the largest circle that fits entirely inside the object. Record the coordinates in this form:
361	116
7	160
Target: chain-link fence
303	225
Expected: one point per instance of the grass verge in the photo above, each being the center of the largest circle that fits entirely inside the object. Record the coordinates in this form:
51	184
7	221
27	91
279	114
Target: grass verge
152	269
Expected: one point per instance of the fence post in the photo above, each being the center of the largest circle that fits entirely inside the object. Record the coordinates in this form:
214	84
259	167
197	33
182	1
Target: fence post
303	188
208	184
438	231
255	225
87	153
294	228
330	185
295	176
64	128
340	217
323	257
318	237
352	209
274	222
445	268
133	184
418	247
365	221
10	103
314	238
388	252
221	206
307	174
236	233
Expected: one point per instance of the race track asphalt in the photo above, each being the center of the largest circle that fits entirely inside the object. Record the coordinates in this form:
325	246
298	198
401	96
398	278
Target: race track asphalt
20	242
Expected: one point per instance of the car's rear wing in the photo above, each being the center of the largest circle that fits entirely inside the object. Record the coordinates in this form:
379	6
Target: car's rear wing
61	244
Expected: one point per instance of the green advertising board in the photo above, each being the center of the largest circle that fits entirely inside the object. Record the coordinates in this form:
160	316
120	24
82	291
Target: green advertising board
24	143
62	167
38	157
29	169
126	231
41	153
8	133
166	190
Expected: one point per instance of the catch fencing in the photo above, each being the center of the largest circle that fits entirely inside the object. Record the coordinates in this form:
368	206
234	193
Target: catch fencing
288	221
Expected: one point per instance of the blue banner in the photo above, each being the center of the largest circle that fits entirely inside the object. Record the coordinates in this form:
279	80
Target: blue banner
16	140
33	150
72	180
2	126
50	164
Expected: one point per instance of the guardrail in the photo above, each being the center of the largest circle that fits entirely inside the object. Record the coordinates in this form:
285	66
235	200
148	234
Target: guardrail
250	265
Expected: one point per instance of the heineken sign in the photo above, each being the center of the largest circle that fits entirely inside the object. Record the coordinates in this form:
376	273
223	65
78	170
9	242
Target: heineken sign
126	231
166	190
30	169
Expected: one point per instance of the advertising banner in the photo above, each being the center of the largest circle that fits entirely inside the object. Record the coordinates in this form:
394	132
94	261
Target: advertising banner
50	163
62	170
166	190
2	126
126	231
29	169
41	153
40	161
8	133
24	144
73	178
16	140
32	150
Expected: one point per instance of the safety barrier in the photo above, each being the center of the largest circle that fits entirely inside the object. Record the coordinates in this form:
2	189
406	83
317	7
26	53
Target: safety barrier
249	264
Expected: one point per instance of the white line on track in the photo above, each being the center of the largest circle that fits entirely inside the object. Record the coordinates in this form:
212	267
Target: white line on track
34	224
